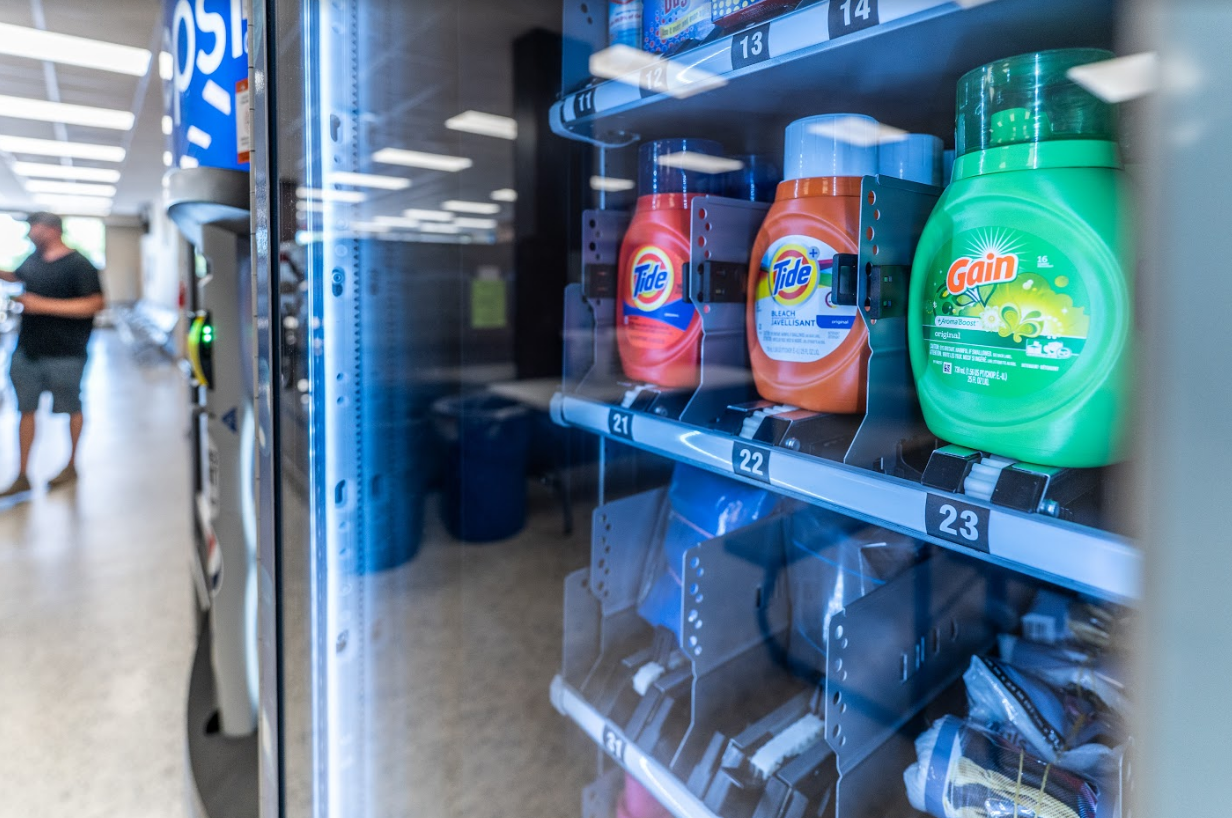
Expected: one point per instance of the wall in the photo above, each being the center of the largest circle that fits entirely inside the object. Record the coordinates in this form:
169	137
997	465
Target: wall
122	275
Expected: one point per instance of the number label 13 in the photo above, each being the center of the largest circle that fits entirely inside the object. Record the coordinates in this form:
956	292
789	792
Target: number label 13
752	461
750	46
956	521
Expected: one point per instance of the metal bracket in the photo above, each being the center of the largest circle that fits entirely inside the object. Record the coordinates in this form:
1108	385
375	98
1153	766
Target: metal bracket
717	282
886	291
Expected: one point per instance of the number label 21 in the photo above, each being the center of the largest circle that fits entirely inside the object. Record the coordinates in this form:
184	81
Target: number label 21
956	521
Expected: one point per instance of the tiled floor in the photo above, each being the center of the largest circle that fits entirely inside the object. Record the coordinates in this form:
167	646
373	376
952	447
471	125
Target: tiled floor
96	625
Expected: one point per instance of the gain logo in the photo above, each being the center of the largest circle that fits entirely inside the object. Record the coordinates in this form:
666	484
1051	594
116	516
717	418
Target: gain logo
653	279
793	275
992	260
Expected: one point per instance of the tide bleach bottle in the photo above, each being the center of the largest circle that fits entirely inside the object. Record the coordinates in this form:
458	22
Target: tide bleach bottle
805	350
658	331
1021	291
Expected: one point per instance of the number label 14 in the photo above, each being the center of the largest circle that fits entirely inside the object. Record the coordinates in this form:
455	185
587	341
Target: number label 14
751	460
957	522
849	16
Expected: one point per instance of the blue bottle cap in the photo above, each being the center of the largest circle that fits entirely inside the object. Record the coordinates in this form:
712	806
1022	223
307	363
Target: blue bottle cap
915	157
755	181
831	145
656	177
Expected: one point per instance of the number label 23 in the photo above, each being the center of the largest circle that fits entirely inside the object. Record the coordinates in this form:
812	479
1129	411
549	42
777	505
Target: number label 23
956	521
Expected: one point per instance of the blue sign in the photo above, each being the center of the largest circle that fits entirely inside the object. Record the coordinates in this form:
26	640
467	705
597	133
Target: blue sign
208	106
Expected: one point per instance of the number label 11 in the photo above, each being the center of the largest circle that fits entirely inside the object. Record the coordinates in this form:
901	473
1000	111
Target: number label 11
956	521
752	461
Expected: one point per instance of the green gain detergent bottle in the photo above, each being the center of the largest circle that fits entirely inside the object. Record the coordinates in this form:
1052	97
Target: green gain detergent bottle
1020	304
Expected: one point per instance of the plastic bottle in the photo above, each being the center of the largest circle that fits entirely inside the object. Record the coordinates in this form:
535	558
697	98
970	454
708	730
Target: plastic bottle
658	332
1021	291
624	23
805	350
914	157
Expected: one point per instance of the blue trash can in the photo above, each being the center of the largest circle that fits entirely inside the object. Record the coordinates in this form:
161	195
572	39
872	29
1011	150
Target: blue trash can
484	493
398	462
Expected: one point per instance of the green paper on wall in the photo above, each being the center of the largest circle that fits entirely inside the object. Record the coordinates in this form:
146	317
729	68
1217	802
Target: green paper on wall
488	301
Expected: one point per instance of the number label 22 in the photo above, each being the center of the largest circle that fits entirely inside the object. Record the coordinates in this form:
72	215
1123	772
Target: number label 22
752	461
956	521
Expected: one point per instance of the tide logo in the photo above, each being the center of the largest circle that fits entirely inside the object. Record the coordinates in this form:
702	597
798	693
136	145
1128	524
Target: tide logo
967	273
653	279
793	275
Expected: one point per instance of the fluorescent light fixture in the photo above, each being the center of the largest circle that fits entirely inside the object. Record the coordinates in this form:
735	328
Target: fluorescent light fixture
476	224
372	227
166	159
502	127
700	162
166	66
189	162
396	221
858	131
1120	79
53	147
505	194
635	67
166	126
611	184
428	215
43	111
971	3
419	159
68	188
347	196
66	172
440	228
482	208
70	205
36	44
343	177
308	205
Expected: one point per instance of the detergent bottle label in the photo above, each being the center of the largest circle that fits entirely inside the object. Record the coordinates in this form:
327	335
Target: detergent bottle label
796	318
1005	313
655	312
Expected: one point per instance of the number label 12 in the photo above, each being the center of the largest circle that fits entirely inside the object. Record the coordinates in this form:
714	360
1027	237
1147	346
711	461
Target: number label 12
956	521
614	744
752	461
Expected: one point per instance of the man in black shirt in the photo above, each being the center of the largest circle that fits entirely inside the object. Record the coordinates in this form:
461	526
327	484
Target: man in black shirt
62	296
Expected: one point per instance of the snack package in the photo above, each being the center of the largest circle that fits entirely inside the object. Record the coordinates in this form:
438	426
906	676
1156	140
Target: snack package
964	771
1097	674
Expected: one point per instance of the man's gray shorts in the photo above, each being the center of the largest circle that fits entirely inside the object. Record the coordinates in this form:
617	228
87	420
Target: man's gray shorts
60	376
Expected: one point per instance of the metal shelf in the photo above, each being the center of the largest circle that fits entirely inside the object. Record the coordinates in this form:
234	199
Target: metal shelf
1085	559
664	786
808	62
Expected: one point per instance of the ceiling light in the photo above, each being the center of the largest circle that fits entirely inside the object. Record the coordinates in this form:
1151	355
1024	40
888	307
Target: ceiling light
505	194
166	126
439	228
859	131
68	188
611	184
189	162
700	162
419	159
166	66
1120	79
66	172
372	227
20	41
369	180
396	221
348	196
484	208
309	205
65	205
483	124
476	224
655	74
44	111
52	147
428	215
619	60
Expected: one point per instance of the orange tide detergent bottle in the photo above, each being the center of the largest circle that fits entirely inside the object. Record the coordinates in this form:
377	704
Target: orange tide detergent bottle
805	350
658	332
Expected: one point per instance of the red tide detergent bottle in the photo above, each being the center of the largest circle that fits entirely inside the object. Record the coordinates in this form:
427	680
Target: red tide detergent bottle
805	350
658	332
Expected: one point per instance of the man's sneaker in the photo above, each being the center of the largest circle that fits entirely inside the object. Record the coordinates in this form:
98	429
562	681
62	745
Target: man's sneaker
65	477
20	486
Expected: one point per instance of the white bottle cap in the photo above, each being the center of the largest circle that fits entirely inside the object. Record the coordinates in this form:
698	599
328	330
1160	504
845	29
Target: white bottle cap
915	157
830	145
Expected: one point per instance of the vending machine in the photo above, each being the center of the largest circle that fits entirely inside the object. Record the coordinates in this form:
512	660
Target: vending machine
745	409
